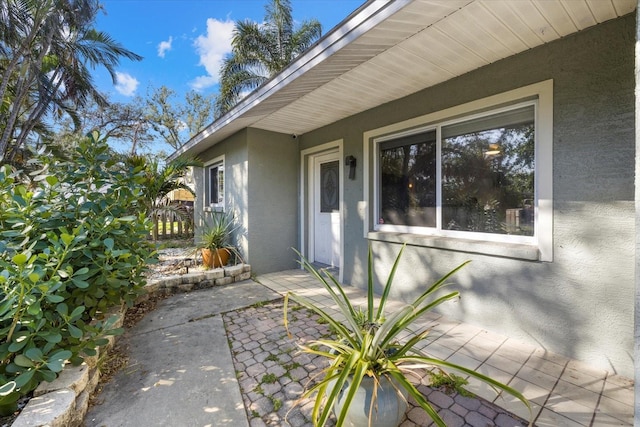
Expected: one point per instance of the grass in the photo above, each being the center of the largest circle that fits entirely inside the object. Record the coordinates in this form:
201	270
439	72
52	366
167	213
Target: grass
268	379
291	366
259	304
277	403
272	358
451	383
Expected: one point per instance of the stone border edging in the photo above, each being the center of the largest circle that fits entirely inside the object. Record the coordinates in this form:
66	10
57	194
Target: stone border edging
65	401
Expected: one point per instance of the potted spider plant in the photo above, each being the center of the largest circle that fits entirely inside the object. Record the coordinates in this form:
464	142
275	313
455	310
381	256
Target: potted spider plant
366	382
215	238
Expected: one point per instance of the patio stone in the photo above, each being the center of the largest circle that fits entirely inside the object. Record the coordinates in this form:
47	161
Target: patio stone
294	369
476	419
441	399
259	346
459	409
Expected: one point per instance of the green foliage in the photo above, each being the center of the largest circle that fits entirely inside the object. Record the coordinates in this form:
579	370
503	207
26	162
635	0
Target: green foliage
367	344
277	403
71	248
272	358
169	117
49	49
158	181
260	50
450	382
268	379
217	229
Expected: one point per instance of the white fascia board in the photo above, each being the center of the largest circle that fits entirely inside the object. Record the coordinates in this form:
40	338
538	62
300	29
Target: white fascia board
363	20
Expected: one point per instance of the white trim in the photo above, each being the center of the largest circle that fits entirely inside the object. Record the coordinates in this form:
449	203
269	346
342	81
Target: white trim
206	184
306	158
543	93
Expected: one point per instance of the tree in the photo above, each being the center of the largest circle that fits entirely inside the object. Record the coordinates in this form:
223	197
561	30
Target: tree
125	123
164	116
47	48
177	122
157	118
158	181
261	50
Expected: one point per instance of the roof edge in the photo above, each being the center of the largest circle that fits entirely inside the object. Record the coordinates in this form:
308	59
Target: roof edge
357	23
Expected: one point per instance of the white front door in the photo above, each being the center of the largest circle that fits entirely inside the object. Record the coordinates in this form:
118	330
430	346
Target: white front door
326	209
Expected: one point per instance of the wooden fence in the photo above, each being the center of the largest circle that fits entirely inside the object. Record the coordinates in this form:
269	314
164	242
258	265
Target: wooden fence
172	226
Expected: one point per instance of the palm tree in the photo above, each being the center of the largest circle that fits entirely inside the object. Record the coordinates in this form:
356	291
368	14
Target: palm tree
47	49
261	50
160	180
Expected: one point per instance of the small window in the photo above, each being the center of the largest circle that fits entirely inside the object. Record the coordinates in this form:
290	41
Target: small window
216	185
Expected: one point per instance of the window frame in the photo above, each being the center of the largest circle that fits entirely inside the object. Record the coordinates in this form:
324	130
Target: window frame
536	247
219	164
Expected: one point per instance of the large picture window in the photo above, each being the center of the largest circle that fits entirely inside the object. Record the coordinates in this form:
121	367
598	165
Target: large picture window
472	175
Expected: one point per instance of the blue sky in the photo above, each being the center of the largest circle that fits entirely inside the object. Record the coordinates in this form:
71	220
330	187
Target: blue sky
183	41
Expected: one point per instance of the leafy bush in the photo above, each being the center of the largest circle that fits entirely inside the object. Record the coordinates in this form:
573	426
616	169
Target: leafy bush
71	248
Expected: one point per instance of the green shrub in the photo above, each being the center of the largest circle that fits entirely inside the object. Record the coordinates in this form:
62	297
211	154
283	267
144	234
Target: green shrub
71	248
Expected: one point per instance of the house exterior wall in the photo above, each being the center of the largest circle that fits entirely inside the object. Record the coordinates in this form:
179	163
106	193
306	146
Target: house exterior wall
261	188
272	201
235	152
581	303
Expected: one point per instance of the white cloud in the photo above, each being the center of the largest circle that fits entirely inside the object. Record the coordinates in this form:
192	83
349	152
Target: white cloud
212	48
126	84
203	82
164	46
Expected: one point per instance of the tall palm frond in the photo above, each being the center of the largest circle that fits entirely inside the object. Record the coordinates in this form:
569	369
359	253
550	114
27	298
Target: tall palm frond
48	49
260	51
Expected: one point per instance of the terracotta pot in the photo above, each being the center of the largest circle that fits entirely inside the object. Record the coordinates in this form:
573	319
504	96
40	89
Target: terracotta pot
215	258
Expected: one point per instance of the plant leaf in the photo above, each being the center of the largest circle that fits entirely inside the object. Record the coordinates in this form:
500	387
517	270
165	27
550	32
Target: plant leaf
387	286
22	360
7	388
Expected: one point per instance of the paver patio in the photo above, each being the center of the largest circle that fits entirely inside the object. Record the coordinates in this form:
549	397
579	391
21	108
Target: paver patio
272	372
562	392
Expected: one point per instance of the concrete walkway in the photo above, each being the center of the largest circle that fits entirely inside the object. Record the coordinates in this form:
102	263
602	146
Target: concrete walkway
182	372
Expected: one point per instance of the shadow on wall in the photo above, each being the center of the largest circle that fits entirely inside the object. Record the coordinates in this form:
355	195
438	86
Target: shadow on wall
574	306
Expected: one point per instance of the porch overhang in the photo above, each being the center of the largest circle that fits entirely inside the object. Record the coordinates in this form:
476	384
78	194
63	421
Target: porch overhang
386	50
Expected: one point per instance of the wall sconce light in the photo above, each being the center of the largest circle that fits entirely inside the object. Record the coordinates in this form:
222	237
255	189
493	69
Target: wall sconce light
351	162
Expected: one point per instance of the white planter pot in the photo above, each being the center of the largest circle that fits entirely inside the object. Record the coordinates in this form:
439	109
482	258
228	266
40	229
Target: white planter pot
388	409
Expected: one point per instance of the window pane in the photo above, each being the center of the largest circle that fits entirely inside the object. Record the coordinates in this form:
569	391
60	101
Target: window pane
488	167
220	184
213	185
329	187
216	184
408	181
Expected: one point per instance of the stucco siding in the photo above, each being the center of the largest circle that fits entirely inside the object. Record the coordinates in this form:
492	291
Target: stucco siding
272	201
581	303
235	152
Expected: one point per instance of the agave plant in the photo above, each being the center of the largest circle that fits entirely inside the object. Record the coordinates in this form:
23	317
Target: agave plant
366	344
